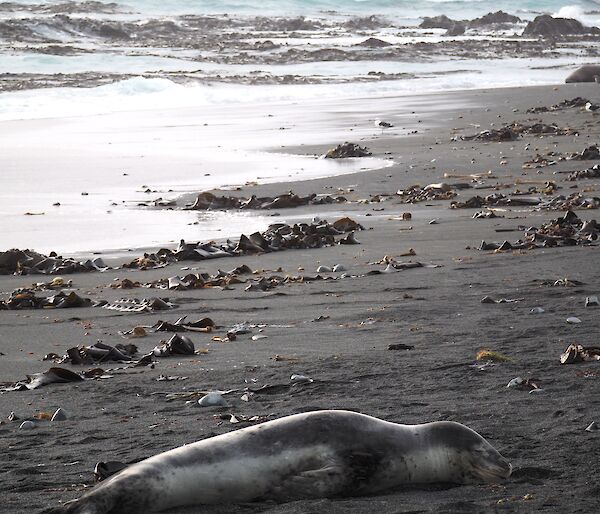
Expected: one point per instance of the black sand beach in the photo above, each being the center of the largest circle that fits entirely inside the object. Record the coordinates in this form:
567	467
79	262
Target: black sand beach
436	308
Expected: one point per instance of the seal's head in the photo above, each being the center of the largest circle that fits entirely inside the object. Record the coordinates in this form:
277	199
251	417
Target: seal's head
477	460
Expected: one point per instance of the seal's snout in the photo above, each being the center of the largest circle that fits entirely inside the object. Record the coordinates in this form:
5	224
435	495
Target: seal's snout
493	468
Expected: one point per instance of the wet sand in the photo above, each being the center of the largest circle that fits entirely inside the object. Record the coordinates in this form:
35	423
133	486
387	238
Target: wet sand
436	309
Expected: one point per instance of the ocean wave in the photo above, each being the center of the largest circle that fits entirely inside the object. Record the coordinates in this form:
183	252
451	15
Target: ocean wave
140	93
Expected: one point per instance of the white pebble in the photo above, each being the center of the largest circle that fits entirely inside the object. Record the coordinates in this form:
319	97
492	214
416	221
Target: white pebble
59	415
212	399
573	319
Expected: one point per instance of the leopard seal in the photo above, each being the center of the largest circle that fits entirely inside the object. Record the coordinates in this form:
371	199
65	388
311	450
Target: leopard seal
329	453
589	73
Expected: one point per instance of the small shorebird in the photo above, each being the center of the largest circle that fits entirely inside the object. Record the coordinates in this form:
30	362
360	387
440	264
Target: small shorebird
590	107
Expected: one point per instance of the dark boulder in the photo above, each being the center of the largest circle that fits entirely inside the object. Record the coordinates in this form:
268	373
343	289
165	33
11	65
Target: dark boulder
547	26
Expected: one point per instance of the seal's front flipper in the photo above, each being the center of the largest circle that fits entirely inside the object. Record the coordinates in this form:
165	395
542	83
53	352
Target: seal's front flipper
326	481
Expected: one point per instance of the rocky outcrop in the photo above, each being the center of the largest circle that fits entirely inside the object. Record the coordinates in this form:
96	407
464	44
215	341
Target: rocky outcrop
547	26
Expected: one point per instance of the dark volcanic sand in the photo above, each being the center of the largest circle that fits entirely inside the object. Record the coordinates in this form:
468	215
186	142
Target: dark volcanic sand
438	310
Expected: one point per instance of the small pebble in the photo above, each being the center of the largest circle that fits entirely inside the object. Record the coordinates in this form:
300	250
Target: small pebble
339	267
323	269
259	336
12	417
573	320
537	310
59	415
212	399
516	382
300	379
27	425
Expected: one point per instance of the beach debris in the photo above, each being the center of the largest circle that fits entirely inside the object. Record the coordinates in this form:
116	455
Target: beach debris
591	153
514	130
573	201
567	230
27	425
208	201
561	282
53	375
565	104
431	192
528	384
578	353
491	355
143	305
176	345
99	352
573	320
181	325
350	239
489	299
592	427
278	236
488	214
59	415
537	310
593	172
135	332
12	416
320	318
592	301
170	378
55	283
493	200
346	150
29	262
124	283
26	299
213	399
401	346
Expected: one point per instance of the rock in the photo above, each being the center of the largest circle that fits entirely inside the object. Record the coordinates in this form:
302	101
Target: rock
300	379
323	269
537	310
592	301
547	26
339	267
27	425
346	150
457	30
438	22
59	415
493	18
374	42
573	320
212	399
13	417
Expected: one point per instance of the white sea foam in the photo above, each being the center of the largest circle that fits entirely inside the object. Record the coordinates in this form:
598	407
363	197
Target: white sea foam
148	93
